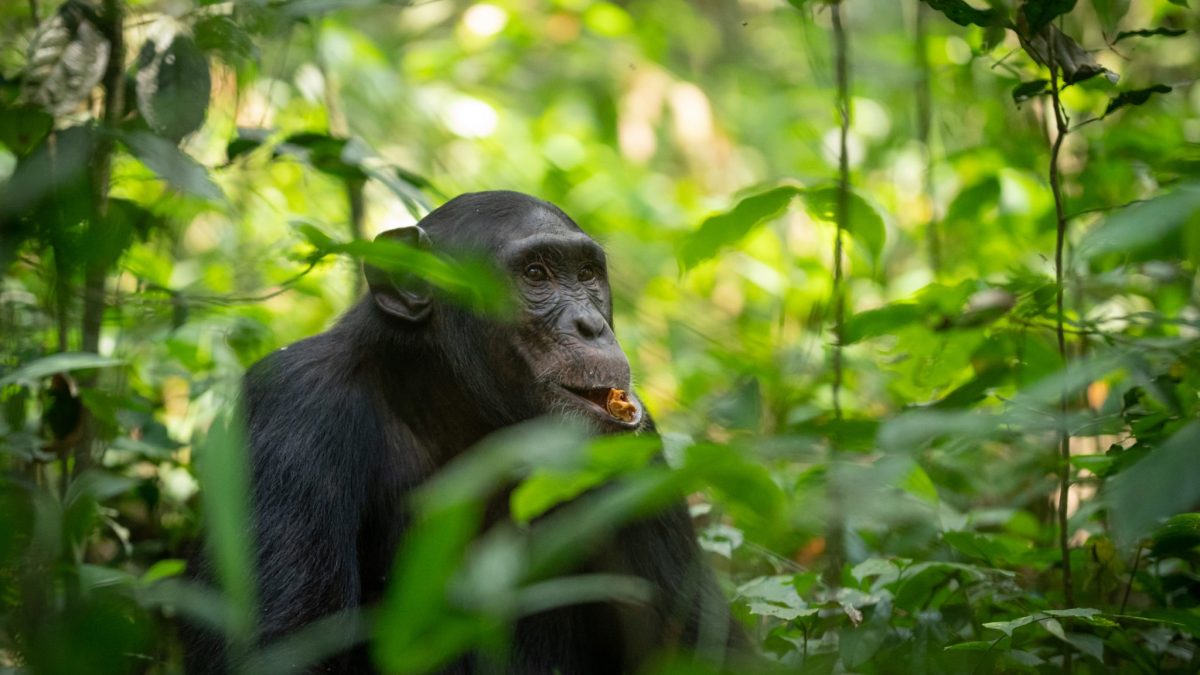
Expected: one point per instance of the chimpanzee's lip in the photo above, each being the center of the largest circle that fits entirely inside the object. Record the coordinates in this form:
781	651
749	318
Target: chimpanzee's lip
595	401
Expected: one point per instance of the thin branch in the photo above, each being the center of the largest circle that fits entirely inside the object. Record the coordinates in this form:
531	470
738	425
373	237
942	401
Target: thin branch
843	202
1137	560
95	275
35	12
924	124
1064	438
834	545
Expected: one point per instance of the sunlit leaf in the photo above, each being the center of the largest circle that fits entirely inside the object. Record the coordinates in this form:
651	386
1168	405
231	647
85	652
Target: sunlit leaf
171	164
863	222
64	362
728	228
1141	224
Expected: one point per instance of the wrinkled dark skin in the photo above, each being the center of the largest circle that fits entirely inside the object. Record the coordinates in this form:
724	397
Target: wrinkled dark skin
343	425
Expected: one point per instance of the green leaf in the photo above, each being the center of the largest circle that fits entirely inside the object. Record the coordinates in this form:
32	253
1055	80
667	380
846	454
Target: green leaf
1007	627
1165	32
1141	224
1134	97
1181	3
172	164
222	35
1179	535
995	549
973	646
1039	13
864	223
1163	483
32	372
882	321
1090	645
965	15
1027	90
775	596
973	201
728	228
173	86
1110	11
23	127
164	569
338	157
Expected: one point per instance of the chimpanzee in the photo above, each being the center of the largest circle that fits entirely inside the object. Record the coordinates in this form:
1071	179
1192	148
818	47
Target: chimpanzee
343	425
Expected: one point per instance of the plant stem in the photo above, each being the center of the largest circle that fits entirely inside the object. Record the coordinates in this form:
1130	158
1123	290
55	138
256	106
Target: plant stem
1137	560
35	12
834	545
95	274
924	126
1064	438
843	202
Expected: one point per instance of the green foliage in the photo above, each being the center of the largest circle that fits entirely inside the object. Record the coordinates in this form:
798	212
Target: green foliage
151	251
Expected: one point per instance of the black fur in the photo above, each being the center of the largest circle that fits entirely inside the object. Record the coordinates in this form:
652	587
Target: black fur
343	425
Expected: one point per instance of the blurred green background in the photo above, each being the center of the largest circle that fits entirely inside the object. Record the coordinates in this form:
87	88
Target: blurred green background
880	488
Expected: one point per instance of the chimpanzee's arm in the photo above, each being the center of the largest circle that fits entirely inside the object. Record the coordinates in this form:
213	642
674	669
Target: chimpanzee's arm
313	446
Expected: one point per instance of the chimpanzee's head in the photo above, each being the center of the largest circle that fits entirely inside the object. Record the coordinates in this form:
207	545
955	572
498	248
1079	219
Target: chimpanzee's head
557	353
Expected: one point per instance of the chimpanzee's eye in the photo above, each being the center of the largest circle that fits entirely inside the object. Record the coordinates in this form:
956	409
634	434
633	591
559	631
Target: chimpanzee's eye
587	273
536	272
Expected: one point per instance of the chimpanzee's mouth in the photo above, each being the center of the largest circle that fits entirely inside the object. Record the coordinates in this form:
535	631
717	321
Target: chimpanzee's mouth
610	404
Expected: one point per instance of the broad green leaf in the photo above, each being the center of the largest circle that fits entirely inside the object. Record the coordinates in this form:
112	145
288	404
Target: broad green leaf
882	321
173	85
23	127
172	164
995	549
971	202
1163	483
1007	627
1053	627
1111	11
64	362
774	596
1135	97
728	228
164	569
1178	536
864	224
1091	645
1141	224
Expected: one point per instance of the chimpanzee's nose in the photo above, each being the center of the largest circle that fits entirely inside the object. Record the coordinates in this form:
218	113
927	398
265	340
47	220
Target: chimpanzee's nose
590	325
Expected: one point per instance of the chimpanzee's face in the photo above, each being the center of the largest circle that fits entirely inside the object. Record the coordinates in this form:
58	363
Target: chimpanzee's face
557	353
563	331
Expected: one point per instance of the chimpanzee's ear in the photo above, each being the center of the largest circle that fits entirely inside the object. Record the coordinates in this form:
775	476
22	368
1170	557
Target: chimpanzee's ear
402	295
